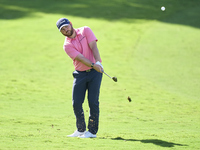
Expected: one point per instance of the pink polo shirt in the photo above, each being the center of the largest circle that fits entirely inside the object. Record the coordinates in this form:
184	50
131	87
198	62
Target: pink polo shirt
80	45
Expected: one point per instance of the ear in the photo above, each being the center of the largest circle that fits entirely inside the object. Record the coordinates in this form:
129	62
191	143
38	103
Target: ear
70	22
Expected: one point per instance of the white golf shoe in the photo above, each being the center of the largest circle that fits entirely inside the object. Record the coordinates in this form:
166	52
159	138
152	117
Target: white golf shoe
76	134
88	135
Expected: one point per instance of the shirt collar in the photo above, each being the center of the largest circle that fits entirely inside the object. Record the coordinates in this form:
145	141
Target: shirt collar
77	34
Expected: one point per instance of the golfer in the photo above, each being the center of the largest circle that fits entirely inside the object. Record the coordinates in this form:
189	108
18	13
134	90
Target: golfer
80	45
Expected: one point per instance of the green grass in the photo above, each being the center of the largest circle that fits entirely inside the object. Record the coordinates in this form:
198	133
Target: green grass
154	55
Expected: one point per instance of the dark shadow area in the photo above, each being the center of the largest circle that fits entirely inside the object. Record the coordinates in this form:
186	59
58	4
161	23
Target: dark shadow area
188	12
152	141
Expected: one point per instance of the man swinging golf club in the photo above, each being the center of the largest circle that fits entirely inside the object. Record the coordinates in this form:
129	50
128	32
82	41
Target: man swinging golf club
80	45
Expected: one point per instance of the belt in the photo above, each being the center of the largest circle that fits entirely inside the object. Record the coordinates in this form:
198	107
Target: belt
88	70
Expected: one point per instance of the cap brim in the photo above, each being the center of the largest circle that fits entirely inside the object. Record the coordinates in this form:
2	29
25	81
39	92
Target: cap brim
63	26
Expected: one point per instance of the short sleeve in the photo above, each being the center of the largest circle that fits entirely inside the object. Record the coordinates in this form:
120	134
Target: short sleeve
89	34
71	51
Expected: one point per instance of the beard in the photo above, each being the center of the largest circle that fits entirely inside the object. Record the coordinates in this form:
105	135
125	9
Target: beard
69	32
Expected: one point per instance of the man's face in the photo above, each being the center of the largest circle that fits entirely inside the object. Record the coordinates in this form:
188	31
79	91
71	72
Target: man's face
67	30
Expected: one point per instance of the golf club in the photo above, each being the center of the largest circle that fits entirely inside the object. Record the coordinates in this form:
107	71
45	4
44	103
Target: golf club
114	78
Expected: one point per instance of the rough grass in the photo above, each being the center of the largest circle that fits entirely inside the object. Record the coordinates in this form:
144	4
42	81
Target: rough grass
154	55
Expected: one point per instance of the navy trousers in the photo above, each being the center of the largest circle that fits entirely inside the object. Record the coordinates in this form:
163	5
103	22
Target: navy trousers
90	82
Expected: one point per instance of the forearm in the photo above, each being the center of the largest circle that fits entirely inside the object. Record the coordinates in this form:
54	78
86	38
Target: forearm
83	60
96	54
88	63
95	51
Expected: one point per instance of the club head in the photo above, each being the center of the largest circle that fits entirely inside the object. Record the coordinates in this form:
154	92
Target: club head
114	79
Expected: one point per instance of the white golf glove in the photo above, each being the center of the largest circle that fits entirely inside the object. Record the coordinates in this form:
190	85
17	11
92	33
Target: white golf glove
98	63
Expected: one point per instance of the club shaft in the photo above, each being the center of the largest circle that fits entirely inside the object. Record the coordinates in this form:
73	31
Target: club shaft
107	75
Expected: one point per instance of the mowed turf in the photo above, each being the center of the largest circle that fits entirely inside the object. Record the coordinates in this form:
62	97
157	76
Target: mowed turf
154	55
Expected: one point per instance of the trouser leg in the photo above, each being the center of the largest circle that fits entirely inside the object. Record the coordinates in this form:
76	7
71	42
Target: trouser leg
93	100
78	95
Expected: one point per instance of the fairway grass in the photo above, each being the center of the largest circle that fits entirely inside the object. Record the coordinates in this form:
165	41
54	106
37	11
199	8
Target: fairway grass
154	55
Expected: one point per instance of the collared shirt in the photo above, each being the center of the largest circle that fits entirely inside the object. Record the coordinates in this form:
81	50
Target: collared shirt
80	45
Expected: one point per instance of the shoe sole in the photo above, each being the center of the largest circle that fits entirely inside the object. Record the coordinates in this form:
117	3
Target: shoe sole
87	137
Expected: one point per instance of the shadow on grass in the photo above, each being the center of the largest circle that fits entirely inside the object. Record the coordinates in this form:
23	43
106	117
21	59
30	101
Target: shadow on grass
153	141
123	10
